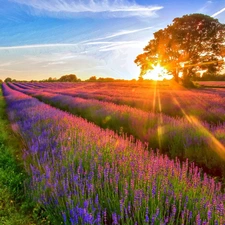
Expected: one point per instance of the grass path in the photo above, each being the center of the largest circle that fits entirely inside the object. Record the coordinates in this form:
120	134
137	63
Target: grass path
15	207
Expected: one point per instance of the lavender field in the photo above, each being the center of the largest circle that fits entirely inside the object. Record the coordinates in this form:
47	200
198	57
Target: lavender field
101	153
189	135
112	112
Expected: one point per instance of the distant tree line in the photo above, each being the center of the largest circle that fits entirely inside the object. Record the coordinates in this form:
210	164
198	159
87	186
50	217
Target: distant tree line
64	78
105	79
207	76
69	78
8	79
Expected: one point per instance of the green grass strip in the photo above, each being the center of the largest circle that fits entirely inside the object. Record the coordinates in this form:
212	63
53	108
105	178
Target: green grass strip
15	205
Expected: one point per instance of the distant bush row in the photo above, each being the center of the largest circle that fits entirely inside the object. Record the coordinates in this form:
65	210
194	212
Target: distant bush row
68	78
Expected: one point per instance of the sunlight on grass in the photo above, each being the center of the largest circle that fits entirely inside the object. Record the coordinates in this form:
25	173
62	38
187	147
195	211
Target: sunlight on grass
15	206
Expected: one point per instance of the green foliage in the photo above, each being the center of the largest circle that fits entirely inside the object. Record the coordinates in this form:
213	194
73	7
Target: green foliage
50	79
15	205
191	43
8	79
106	79
92	79
68	78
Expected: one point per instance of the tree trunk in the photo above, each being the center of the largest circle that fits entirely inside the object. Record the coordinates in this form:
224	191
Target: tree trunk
175	75
187	78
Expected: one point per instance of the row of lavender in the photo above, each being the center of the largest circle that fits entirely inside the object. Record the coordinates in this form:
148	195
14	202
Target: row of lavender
178	137
202	104
84	175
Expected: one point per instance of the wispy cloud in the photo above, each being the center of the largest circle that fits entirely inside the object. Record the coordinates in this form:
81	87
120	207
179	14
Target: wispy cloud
57	63
103	40
80	50
123	32
113	8
205	7
6	64
14	71
110	42
51	58
120	45
36	46
219	12
79	46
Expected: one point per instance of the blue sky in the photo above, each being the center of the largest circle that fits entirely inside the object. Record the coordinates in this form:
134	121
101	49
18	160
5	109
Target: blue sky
50	38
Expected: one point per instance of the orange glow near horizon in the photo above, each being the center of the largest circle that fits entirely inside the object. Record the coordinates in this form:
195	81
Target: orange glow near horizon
158	73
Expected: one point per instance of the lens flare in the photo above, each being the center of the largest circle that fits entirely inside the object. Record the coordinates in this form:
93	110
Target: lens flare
158	73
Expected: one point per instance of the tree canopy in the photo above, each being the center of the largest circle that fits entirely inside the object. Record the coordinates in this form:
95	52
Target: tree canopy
8	79
92	79
192	42
68	78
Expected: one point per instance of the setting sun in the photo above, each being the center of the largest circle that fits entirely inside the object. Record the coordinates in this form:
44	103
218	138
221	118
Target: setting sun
158	73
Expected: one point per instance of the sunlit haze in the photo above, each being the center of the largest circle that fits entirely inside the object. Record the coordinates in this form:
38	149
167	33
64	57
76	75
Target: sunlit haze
158	73
41	39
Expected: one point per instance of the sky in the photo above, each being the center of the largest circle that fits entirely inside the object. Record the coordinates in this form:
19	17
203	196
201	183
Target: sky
50	38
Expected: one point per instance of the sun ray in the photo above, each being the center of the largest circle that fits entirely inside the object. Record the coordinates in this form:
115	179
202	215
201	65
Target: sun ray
160	121
154	98
212	141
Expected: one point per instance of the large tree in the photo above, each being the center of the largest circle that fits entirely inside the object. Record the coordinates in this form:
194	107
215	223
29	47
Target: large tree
8	79
192	42
68	78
